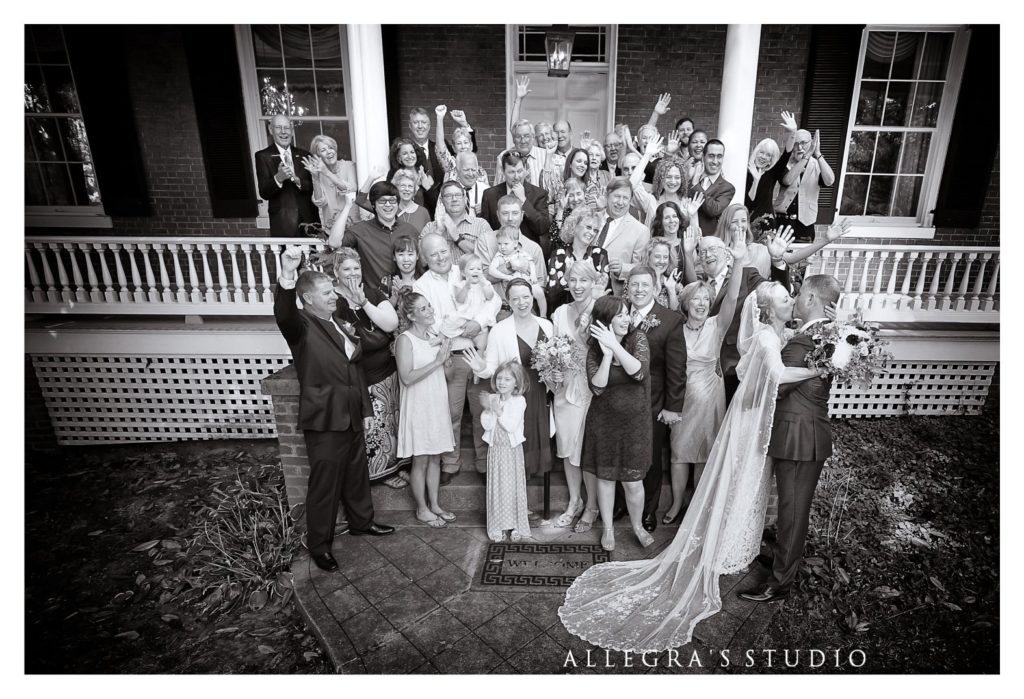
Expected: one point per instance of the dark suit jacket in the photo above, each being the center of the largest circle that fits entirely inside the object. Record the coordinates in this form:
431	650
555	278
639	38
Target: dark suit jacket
668	361
718	196
730	356
436	169
333	396
801	431
287	198
536	220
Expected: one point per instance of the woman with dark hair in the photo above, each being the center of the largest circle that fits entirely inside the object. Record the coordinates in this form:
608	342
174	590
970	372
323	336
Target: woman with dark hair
670	222
408	268
617	435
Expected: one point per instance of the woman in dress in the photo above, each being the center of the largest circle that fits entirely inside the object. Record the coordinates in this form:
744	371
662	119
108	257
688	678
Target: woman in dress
424	425
334	179
371	314
658	256
595	175
617	436
513	339
572	197
462	142
581	228
759	194
734	225
652	605
409	211
572	394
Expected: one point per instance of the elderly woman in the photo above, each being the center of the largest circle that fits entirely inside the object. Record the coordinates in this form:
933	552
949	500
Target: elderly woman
579	232
462	142
571	198
617	435
761	180
513	339
408	184
333	179
659	256
373	318
595	175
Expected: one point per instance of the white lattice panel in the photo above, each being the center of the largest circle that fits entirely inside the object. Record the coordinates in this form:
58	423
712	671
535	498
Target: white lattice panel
112	399
917	388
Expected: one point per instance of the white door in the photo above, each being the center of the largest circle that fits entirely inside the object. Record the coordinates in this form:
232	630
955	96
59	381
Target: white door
581	99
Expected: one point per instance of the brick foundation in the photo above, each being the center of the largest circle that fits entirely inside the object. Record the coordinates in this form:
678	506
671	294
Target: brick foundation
283	387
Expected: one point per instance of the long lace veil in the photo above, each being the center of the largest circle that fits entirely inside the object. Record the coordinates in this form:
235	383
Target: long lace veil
653	605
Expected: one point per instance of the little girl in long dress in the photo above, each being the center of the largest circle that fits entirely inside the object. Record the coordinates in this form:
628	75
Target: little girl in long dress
503	422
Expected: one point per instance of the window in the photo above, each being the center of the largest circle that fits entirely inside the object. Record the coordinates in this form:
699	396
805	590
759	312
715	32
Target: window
60	179
589	46
902	111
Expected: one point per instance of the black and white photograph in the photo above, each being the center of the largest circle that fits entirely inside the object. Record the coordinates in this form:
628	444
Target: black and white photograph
477	349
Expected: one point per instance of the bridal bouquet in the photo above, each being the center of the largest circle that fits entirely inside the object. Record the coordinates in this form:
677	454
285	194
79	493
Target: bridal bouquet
558	353
850	349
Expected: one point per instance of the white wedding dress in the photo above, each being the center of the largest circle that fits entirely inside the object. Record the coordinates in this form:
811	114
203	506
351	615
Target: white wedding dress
653	605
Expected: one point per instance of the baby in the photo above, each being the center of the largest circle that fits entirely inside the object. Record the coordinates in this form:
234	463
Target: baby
510	262
470	299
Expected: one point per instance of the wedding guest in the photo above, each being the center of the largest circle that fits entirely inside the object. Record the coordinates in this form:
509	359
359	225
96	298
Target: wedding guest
644	136
669	180
717	191
684	129
670	221
468	175
583	226
463	141
563	140
288	189
407	184
637	206
658	255
510	213
426	150
472	298
334	179
733	225
545	136
576	169
596	177
621	235
571	198
424	430
617	436
407	269
572	395
513	339
370	313
533	201
454	222
405	154
512	262
614	150
763	175
534	157
504	430
802	173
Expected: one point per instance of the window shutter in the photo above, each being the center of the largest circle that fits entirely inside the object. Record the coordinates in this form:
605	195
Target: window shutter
974	137
98	63
220	113
831	73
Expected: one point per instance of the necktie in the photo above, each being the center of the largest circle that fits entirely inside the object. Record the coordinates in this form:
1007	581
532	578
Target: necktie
714	286
638	318
604	233
705	183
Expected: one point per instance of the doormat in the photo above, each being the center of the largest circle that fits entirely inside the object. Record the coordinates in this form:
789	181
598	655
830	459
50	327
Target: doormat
534	567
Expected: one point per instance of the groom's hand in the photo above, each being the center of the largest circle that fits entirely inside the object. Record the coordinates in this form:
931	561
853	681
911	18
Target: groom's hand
669	417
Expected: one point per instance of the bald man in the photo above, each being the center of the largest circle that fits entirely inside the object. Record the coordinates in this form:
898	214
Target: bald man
283	182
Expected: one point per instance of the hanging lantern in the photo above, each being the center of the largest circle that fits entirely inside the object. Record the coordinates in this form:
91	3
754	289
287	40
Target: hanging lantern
558	43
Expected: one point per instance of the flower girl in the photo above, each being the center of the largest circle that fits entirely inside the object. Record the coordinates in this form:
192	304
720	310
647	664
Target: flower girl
506	470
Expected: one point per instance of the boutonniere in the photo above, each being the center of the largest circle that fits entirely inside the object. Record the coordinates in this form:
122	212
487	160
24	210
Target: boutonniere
649	322
348	328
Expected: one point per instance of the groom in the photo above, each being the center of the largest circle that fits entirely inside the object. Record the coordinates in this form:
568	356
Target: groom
801	441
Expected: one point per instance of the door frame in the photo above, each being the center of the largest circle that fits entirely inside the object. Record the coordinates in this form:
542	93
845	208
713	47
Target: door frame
512	66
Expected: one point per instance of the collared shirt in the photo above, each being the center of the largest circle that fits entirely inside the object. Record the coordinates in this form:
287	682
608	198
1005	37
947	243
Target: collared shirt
439	290
556	161
809	323
286	158
535	164
710	180
615	223
475	195
372	240
350	347
467	227
638	314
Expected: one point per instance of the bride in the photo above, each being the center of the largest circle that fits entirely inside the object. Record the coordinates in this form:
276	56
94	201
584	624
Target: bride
653	605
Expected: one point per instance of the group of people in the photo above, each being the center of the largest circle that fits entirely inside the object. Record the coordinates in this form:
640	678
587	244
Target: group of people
442	287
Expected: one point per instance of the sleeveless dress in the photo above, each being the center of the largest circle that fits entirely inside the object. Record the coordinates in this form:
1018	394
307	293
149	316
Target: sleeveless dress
572	399
424	424
704	405
537	422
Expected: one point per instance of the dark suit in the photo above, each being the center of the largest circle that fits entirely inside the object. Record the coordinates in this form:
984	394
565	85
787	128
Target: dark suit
718	196
289	205
333	400
436	169
536	220
801	441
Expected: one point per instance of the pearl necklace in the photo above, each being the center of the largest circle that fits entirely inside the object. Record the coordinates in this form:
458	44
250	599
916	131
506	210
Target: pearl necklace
695	329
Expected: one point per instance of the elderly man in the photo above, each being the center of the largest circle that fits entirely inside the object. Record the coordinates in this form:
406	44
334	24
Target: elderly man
621	235
284	182
419	132
510	213
563	145
536	219
718	192
372	238
334	407
801	172
545	137
637	207
535	157
614	147
466	168
458	227
437	285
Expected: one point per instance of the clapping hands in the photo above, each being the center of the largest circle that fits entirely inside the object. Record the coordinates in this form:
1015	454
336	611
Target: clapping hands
313	163
605	337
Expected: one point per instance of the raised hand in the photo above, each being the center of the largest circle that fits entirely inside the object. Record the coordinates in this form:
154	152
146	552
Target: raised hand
661	106
738	249
694	203
780	242
690	240
522	87
313	163
605	337
459	117
440	110
291	260
354	292
673	142
788	121
838	229
816	144
378	171
426	181
653	146
475	360
671	282
585	139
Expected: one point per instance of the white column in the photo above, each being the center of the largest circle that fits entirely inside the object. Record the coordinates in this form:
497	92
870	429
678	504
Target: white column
369	104
736	109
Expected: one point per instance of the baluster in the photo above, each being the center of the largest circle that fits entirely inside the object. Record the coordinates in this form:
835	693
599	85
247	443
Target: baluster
165	295
222	276
979	283
252	295
891	300
238	293
94	294
152	293
193	277
933	291
37	295
79	291
990	292
180	295
947	291
865	296
848	291
961	301
906	300
268	295
52	294
921	301
209	296
836	255
66	293
109	294
877	301
138	293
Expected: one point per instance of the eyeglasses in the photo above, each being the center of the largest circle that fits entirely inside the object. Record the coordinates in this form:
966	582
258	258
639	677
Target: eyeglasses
388	201
453	196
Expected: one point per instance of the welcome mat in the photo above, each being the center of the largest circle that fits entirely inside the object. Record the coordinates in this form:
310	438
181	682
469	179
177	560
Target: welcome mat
534	567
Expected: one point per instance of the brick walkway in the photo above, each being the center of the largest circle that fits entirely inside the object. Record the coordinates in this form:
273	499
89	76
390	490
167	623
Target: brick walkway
403	604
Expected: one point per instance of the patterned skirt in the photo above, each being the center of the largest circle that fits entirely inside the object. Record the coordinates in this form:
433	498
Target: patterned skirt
381	444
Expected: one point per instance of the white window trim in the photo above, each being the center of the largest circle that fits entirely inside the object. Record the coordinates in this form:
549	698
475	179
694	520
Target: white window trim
921	225
258	136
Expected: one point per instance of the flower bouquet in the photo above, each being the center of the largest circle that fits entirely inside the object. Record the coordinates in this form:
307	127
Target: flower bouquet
557	354
850	349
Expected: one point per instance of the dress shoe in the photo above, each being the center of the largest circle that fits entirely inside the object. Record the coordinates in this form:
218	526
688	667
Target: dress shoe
325	561
373	530
650	522
764	593
446	477
765	560
618	513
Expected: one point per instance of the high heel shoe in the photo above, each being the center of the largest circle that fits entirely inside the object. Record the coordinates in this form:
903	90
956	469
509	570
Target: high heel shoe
608	540
644	538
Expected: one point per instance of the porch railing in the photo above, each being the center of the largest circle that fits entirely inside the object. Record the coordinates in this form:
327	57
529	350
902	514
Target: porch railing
234	276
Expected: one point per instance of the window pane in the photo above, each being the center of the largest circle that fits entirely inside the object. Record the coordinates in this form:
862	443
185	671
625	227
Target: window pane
854	195
330	92
915	153
78	184
880	195
338	130
304	132
904	62
887	151
267	45
36	99
46	139
58	187
91	184
908	191
326	46
30	46
862	149
273	96
300	85
935	56
76	147
61	89
869	107
49	44
35	195
926	104
878	54
897	103
297	51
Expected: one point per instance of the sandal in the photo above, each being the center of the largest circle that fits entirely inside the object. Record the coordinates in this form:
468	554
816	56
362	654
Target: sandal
566	518
436	523
584	525
608	540
515	536
446	516
395	482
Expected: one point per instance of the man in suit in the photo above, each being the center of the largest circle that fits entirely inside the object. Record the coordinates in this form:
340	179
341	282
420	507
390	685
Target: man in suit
621	235
536	219
334	407
284	182
801	441
510	213
718	192
664	330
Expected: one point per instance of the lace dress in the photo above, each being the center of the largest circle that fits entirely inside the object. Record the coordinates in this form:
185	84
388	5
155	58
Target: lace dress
653	605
